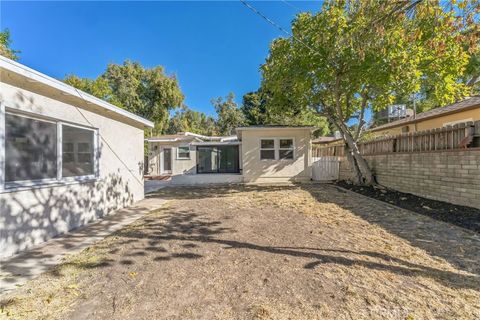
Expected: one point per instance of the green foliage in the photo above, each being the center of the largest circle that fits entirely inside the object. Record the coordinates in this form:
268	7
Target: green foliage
5	46
254	108
149	93
192	121
358	54
258	109
97	87
229	115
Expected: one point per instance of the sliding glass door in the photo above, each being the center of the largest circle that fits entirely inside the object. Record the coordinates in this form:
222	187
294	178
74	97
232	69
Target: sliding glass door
217	159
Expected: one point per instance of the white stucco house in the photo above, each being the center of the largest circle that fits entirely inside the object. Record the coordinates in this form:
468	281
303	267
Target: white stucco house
256	154
66	157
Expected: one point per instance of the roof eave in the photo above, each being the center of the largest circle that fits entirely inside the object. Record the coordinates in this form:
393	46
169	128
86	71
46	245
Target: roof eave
35	76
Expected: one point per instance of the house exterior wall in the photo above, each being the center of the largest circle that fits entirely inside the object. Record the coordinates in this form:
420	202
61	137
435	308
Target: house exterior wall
452	176
256	170
31	215
427	124
179	166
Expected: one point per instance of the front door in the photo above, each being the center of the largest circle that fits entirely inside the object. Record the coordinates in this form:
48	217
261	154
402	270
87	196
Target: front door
167	160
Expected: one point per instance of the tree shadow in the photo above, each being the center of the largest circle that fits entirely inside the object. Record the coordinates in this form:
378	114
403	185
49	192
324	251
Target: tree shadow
192	230
458	246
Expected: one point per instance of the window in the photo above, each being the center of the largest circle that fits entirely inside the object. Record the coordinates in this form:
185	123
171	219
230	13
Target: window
39	151
267	149
183	152
277	148
77	153
218	159
30	149
285	150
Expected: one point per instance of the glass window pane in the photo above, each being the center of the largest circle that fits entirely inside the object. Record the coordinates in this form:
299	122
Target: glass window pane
267	154
207	161
184	152
286	154
229	161
78	152
286	143
267	144
30	149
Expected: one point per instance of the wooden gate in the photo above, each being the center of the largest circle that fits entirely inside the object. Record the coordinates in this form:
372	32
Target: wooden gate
325	168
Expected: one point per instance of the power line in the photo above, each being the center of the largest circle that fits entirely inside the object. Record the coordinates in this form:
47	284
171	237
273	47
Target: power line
264	17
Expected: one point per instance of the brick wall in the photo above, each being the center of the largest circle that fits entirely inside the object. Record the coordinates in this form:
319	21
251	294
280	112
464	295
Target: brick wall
452	176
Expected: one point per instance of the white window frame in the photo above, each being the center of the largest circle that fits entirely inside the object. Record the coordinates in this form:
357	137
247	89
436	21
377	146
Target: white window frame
183	158
292	149
267	149
276	148
59	179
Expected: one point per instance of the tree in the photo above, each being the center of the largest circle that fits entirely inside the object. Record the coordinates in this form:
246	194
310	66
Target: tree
149	93
254	108
258	109
229	115
99	87
5	46
353	55
192	121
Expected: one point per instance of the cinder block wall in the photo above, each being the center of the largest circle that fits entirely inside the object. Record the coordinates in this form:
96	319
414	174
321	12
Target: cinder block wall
451	176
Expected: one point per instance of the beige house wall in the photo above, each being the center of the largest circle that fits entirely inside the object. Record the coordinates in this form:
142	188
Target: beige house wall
179	166
257	170
439	122
32	215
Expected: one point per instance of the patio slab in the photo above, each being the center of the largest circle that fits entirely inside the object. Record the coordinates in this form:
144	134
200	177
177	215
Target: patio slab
16	270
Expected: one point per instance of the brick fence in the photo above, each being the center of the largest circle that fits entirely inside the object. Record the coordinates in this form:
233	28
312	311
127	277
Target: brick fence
450	175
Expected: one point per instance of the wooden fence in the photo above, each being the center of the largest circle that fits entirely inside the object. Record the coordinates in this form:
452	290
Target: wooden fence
463	135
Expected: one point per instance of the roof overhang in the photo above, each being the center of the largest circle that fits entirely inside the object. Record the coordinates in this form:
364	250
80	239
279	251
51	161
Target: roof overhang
216	143
270	128
35	80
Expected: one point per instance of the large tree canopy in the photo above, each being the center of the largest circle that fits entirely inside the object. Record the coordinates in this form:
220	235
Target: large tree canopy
259	109
5	46
229	115
189	120
358	54
150	93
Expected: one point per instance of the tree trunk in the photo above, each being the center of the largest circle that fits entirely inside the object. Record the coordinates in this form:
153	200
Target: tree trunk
359	165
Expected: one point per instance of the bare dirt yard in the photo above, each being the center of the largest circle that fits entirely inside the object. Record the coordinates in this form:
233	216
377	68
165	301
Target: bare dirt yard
284	252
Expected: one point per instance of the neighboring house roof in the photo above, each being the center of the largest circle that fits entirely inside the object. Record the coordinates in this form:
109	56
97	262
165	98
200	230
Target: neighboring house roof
321	140
469	103
32	77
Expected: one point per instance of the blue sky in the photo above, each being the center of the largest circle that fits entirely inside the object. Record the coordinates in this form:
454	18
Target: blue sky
212	47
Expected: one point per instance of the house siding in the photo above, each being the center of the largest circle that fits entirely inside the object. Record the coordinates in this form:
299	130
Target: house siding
31	216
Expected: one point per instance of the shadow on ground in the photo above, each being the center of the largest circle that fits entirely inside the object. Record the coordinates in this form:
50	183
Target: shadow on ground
437	238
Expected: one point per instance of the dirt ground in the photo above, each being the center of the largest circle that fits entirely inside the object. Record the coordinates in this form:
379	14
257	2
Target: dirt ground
246	252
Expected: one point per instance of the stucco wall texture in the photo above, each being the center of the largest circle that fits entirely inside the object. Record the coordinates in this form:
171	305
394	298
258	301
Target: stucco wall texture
257	170
29	217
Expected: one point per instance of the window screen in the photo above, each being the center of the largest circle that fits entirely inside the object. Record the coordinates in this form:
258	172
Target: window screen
30	149
77	151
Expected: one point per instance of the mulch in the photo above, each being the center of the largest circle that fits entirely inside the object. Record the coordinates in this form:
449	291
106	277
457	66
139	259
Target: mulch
462	216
